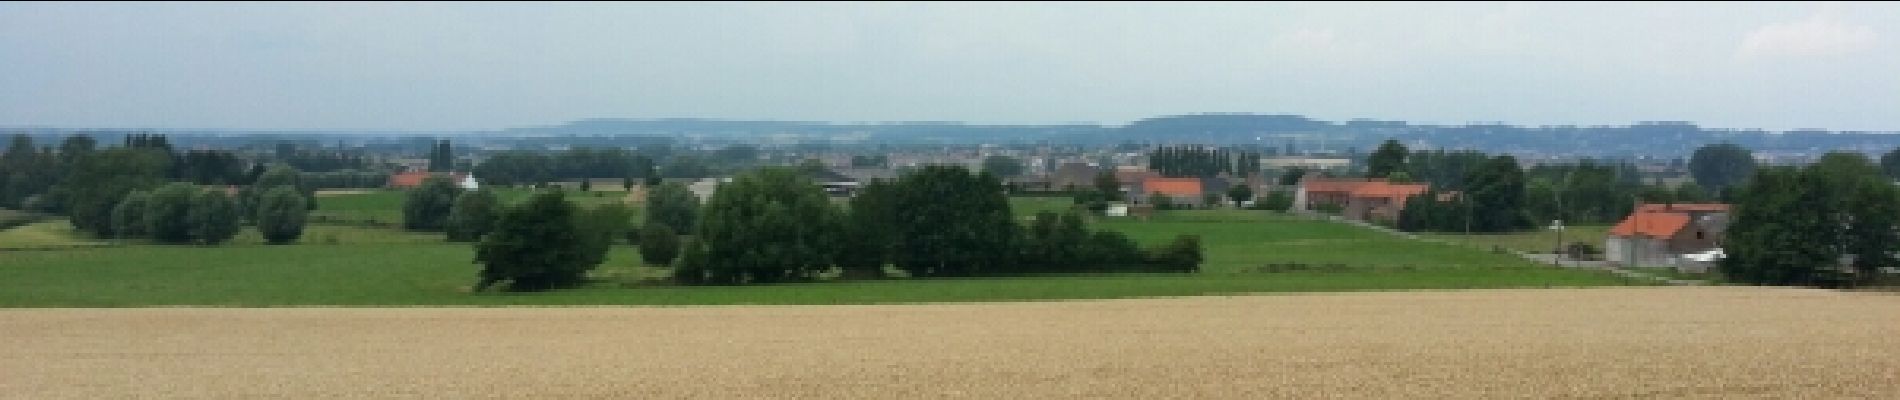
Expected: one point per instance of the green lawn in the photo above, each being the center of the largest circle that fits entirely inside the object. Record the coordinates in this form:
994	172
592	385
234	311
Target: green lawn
340	265
47	234
1535	241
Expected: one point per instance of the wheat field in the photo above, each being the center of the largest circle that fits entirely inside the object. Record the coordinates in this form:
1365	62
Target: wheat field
1720	342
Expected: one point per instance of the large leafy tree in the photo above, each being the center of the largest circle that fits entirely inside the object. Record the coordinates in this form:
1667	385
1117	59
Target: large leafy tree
1719	166
214	218
535	246
768	225
167	213
427	207
473	215
128	218
1497	196
280	215
951	222
1004	166
275	176
1389	158
671	204
1797	227
870	230
99	182
659	245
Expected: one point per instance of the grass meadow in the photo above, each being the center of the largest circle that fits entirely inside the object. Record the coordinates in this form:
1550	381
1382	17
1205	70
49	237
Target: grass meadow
353	265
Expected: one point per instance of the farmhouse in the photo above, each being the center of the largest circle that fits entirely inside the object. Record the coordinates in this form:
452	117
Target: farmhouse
1659	234
413	179
1356	198
1071	176
1179	191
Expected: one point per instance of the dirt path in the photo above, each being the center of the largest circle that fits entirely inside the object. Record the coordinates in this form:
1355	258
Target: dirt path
1715	342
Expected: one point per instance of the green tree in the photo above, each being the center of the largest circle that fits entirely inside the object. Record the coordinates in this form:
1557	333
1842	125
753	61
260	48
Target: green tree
1890	164
1719	166
1181	255
535	246
953	223
275	176
673	205
1497	194
214	218
168	213
280	215
1240	193
870	230
659	245
1278	200
769	225
427	207
100	182
600	228
1109	186
1389	158
1003	166
1796	227
1292	176
128	218
473	215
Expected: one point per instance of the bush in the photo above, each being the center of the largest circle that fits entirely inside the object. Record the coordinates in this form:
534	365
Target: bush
1181	255
280	215
427	206
536	246
1276	201
128	218
214	218
472	216
167	213
659	245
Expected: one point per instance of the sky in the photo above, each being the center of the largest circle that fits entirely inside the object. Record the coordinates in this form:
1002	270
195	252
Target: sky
469	66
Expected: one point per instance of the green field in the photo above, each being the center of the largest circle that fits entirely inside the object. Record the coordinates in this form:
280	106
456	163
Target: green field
1535	241
1247	252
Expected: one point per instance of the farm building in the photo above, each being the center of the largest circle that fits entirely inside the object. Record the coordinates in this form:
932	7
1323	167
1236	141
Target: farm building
1660	234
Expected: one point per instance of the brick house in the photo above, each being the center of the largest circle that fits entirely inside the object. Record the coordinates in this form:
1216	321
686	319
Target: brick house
1370	199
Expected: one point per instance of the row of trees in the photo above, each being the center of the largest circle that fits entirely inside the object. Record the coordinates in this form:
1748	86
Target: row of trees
1200	162
532	167
1830	224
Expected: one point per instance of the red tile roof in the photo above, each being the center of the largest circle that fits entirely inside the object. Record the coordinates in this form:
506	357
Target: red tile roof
1395	191
1173	186
414	179
1657	224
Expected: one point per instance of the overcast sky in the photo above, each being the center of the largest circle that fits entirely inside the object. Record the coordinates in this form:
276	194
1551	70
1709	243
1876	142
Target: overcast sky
446	66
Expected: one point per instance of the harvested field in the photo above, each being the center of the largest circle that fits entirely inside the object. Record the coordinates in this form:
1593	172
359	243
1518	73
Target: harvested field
1717	342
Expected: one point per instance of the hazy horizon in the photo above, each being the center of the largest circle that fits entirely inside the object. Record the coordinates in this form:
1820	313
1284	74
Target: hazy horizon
475	67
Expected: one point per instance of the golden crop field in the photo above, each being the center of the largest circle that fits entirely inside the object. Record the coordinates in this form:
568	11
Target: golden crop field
1716	342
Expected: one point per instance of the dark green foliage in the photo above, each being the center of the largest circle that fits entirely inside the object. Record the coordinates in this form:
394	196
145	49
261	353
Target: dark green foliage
473	215
535	246
211	167
1279	200
1719	166
1797	227
167	213
1389	158
769	225
600	228
1240	193
951	222
587	185
128	218
441	157
1497	192
1292	176
1161	202
659	245
214	218
1445	170
277	175
1890	164
1190	162
280	215
97	183
1181	255
1109	186
427	206
1054	243
671	204
1003	166
870	231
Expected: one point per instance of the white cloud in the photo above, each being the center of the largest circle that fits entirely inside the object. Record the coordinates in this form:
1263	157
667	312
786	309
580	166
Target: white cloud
1822	34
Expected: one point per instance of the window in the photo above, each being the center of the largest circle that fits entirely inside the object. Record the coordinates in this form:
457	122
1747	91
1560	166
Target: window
1698	235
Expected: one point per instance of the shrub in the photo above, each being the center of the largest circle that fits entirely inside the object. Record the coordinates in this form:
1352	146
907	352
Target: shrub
214	218
659	245
128	218
472	216
167	213
280	215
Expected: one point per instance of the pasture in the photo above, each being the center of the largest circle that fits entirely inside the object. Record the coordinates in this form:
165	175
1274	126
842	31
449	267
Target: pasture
354	265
